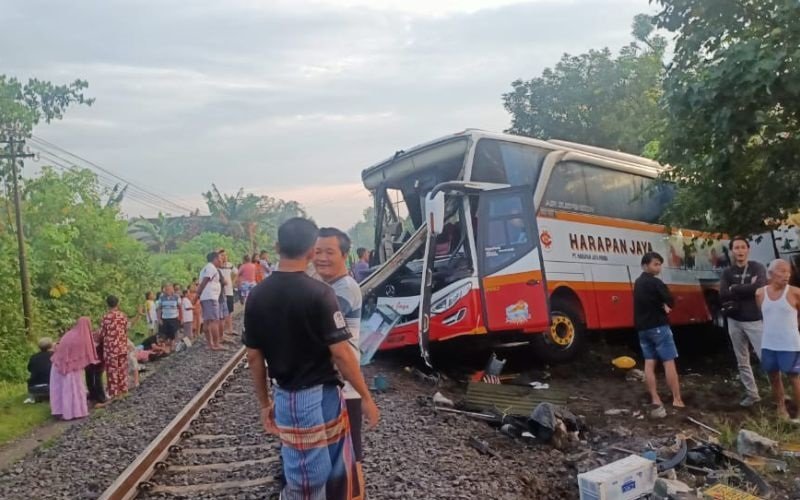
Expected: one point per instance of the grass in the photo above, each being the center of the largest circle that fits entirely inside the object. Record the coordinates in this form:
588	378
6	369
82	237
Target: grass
765	424
17	419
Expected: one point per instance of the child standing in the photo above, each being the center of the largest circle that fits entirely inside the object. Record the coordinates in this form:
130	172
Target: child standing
188	316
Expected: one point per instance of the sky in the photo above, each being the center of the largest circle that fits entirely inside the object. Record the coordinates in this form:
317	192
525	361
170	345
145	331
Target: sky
288	98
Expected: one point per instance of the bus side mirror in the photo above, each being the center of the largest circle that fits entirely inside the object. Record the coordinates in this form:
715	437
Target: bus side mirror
434	212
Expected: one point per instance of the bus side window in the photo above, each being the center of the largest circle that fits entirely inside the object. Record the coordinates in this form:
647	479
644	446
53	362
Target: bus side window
507	238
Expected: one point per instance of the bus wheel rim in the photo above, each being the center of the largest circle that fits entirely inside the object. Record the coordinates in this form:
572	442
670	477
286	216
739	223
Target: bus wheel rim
562	331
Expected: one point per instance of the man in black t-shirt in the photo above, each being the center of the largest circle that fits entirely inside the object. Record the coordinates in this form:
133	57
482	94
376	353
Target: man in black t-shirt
293	323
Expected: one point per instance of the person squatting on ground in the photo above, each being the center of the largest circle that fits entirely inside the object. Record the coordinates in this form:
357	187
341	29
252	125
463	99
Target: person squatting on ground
780	346
228	271
209	291
39	366
293	322
330	262
74	352
737	289
652	302
169	315
114	348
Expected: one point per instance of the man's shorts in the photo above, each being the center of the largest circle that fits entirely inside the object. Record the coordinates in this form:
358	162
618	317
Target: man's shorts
210	310
780	361
229	303
355	415
169	327
224	312
657	343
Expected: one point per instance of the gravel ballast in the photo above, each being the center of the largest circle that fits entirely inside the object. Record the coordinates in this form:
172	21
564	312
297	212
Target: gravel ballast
89	456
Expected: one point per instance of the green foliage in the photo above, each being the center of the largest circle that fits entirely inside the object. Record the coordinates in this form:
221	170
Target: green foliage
733	123
362	234
159	235
23	106
596	98
184	264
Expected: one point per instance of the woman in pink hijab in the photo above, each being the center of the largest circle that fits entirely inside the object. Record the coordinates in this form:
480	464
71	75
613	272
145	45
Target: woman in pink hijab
73	353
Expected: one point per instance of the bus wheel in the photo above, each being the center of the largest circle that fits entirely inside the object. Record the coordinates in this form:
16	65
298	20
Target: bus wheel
563	340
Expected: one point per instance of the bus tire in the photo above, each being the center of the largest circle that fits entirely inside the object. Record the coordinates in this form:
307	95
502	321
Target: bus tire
565	337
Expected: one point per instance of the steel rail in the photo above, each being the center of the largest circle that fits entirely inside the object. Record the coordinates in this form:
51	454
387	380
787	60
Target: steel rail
126	486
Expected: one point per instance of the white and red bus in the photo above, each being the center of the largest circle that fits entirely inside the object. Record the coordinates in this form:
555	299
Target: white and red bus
532	237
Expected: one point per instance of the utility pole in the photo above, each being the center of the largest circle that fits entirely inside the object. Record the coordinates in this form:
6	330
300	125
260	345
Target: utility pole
25	281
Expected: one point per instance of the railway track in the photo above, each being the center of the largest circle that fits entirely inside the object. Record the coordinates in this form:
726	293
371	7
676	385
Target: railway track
214	448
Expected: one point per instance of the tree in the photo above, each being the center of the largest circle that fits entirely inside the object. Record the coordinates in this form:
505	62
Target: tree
596	98
240	213
160	235
732	95
24	106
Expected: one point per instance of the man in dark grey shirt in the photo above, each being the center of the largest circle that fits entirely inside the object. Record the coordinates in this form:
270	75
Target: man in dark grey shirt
737	289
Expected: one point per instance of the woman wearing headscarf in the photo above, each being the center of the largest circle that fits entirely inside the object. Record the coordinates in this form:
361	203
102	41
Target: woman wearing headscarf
114	339
73	353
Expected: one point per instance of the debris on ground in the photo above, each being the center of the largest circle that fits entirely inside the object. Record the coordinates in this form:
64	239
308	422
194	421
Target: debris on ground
510	399
624	362
704	426
668	489
554	424
439	399
634	375
613	412
631	477
723	492
380	383
790	450
751	443
423	377
766	464
482	446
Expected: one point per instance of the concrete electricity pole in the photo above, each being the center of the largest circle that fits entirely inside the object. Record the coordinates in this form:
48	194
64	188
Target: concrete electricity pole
25	281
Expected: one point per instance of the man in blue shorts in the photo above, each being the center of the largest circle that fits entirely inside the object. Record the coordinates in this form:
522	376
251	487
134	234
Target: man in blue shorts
652	302
780	348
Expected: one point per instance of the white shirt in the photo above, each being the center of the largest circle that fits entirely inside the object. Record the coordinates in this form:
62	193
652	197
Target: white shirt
780	323
188	310
227	270
348	294
213	287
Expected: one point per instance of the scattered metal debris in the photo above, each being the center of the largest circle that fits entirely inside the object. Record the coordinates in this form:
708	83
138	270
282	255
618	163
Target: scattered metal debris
704	426
510	399
482	446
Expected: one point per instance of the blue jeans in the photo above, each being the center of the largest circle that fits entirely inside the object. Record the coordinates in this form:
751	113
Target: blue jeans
657	343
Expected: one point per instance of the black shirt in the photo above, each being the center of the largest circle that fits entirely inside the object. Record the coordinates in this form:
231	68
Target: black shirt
649	296
736	284
39	366
293	319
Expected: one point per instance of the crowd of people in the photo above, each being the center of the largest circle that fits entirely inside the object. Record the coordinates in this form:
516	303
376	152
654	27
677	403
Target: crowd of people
69	373
761	307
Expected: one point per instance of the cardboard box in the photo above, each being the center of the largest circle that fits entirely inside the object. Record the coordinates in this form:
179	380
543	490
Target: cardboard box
627	479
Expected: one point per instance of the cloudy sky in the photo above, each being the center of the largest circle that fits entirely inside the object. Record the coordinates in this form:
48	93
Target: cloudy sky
291	98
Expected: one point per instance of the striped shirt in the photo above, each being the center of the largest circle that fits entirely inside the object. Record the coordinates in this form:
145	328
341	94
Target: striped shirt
348	294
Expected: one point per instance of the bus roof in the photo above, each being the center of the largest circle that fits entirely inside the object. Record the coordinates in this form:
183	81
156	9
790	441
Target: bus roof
429	153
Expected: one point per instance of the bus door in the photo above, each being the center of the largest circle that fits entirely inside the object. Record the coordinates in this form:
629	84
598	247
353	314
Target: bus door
510	262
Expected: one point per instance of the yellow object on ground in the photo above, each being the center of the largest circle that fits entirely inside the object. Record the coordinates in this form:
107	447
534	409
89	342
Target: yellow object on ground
624	362
721	492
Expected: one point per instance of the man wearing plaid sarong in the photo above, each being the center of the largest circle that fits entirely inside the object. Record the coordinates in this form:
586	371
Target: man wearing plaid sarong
293	322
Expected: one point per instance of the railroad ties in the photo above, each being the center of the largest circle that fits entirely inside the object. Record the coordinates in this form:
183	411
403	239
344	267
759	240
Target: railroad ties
215	448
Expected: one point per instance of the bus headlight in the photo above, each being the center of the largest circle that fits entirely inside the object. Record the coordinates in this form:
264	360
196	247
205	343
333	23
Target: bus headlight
450	299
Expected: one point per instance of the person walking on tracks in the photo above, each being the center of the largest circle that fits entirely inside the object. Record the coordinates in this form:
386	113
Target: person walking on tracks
737	289
780	347
652	302
114	343
74	352
293	322
330	261
209	291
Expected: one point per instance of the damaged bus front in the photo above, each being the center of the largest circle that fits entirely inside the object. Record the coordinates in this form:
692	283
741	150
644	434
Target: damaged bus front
478	277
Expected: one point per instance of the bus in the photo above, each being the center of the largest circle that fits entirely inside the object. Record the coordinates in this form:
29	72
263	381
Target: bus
500	237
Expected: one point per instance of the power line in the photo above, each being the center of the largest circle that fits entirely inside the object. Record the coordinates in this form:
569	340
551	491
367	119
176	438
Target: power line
103	181
148	191
133	191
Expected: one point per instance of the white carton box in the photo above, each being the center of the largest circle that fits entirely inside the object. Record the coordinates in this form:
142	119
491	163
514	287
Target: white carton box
626	479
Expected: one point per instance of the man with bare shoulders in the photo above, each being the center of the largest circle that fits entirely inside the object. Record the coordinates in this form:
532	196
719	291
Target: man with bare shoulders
780	347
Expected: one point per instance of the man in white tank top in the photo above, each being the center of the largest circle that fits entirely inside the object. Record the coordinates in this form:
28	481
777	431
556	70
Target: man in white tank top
780	347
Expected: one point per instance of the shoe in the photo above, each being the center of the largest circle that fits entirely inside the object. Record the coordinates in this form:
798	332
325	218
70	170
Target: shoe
749	401
29	401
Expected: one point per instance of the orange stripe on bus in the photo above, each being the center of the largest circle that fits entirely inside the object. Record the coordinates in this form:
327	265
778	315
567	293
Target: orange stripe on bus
602	220
511	279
